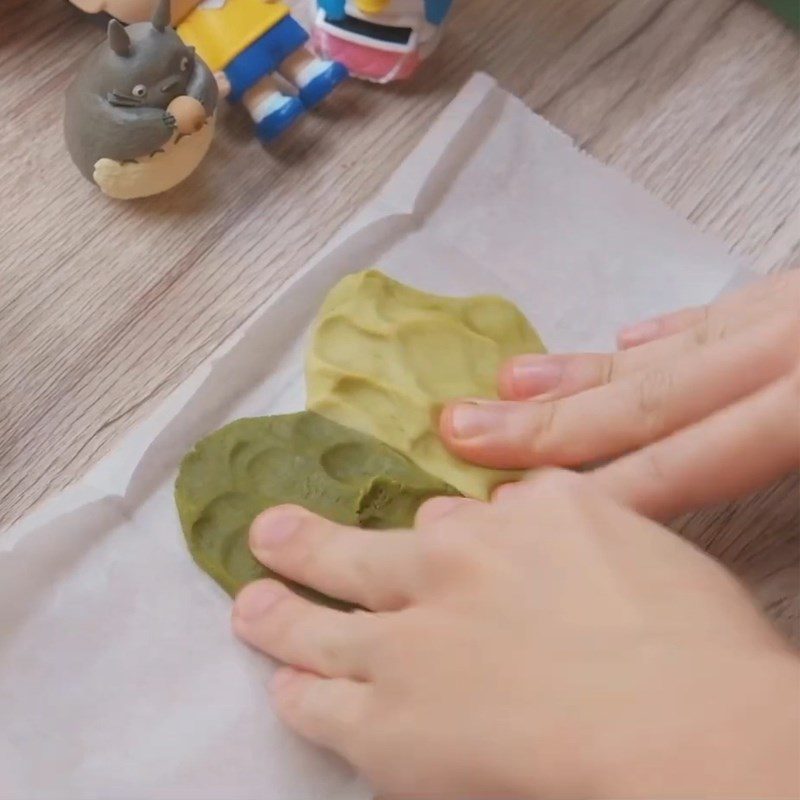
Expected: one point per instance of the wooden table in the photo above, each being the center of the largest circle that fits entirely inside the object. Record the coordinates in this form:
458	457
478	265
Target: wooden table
106	307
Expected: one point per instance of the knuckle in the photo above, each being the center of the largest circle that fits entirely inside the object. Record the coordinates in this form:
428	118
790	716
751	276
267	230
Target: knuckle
438	545
553	483
291	704
316	715
368	628
609	368
362	567
312	550
653	390
280	621
301	556
720	330
445	553
701	332
330	649
391	648
718	325
543	422
653	467
364	571
386	645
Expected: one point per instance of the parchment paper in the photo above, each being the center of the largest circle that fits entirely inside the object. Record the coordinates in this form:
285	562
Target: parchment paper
119	677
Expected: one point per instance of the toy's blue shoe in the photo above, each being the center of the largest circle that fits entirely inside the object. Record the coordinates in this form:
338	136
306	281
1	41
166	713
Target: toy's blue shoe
319	79
282	114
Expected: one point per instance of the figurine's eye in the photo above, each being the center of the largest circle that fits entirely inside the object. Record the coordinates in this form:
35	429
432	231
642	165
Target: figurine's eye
185	63
140	90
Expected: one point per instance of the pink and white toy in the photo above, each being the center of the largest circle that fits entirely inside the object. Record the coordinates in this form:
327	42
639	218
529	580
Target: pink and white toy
378	40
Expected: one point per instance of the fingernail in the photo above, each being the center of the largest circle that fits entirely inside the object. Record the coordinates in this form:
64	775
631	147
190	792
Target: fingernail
531	375
468	420
256	599
639	333
274	527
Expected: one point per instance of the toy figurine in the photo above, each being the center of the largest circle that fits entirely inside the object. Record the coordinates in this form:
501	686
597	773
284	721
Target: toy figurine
378	40
140	112
248	41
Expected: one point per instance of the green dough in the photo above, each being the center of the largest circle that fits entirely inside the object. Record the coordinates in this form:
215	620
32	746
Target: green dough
250	465
788	9
386	357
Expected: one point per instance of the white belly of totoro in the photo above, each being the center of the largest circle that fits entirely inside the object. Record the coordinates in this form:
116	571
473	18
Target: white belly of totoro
157	173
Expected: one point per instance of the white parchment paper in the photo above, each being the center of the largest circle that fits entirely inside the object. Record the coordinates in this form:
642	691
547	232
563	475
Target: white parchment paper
119	677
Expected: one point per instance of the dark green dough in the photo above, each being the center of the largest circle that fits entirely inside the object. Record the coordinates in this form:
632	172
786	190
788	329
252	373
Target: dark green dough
788	9
304	459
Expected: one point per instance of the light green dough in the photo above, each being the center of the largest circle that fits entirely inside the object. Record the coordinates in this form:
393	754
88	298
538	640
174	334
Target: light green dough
386	357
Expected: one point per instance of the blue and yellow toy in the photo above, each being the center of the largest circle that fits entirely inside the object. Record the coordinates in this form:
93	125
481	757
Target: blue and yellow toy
250	40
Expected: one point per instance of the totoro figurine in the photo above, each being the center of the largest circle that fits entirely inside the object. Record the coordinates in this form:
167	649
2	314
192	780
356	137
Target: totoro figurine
140	112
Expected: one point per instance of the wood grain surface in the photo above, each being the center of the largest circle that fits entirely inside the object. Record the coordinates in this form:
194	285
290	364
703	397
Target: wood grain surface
105	307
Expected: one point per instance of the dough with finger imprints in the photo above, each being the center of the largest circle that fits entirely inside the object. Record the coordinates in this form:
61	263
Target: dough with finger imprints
385	358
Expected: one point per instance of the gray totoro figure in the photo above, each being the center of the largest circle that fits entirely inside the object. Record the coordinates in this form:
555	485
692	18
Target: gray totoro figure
140	112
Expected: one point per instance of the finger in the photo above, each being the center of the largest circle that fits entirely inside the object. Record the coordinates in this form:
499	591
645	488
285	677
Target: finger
274	620
438	508
623	415
737	450
549	377
773	293
646	331
370	568
330	713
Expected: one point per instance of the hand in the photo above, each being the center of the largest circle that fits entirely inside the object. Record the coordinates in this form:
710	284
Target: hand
705	401
129	11
548	645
